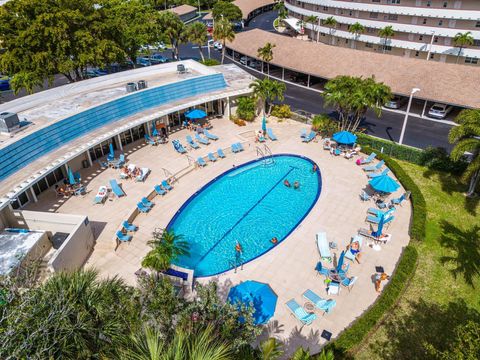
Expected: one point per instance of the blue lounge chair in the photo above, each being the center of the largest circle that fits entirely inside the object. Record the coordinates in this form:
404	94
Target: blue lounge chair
209	135
364	196
201	162
149	140
123	237
322	304
343	272
321	270
201	140
192	143
348	254
142	208
375	211
349	282
303	133
178	147
129	227
300	313
271	135
120	162
376	219
220	153
309	137
374	167
239	146
117	190
166	185
211	157
159	190
399	200
369	159
378	173
235	148
323	246
147	202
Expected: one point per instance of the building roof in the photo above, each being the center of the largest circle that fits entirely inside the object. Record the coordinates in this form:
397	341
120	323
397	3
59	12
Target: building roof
183	9
246	6
442	82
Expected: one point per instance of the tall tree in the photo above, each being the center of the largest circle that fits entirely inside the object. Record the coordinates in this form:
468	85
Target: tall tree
266	91
197	34
312	19
226	10
386	33
166	247
462	40
466	138
356	29
223	31
281	9
174	29
266	54
331	23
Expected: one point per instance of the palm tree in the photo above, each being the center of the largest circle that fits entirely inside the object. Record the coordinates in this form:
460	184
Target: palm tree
331	23
461	40
197	34
281	9
270	349
173	28
223	31
266	54
466	138
386	32
166	247
266	91
356	29
312	19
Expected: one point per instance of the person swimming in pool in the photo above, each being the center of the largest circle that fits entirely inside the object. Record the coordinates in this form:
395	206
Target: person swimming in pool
287	183
274	240
238	247
314	169
296	185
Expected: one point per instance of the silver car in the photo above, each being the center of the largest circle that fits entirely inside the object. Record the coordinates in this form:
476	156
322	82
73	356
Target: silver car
396	102
439	111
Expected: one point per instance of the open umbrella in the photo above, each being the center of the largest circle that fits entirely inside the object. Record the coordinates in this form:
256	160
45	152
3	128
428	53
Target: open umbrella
261	295
195	114
345	137
384	184
264	124
71	178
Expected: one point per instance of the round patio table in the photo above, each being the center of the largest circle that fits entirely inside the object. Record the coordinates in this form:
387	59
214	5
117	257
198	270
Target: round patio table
334	276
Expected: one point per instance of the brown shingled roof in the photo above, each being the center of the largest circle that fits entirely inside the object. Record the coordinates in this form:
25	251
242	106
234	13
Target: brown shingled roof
247	6
183	9
442	82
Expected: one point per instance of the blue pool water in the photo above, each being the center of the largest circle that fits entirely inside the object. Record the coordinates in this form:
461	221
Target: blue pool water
249	204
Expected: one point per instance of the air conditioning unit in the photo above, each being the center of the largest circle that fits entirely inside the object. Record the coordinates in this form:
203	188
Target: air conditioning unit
141	84
9	122
131	87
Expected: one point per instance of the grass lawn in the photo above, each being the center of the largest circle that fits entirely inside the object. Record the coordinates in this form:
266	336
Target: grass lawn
445	290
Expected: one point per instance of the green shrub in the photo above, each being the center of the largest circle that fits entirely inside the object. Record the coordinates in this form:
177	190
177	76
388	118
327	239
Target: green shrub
439	159
356	333
246	108
325	125
210	62
282	111
391	148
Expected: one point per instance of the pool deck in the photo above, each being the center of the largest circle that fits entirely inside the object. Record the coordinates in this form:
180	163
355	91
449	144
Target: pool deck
289	267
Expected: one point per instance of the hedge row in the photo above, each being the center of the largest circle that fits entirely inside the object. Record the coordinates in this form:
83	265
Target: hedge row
355	334
392	149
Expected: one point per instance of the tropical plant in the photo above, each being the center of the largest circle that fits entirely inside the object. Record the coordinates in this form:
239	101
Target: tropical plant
266	91
461	40
70	316
325	355
166	247
353	96
282	111
174	29
301	354
466	137
301	25
312	19
266	54
356	29
246	108
331	23
226	10
281	9
210	62
270	349
223	31
324	124
386	33
197	34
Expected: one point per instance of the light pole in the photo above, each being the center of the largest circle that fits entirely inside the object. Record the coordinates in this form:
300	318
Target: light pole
431	44
414	90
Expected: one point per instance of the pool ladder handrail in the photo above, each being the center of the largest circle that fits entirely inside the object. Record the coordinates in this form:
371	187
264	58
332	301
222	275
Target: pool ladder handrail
265	154
236	263
168	174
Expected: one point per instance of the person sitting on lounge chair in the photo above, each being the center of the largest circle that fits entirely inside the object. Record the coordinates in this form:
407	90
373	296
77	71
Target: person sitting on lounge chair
355	250
287	183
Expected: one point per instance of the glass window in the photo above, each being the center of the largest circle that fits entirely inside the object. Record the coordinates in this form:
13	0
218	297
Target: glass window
42	185
92	154
470	60
440	23
393	17
373	15
477	24
429	3
424	21
420	37
445	4
417	53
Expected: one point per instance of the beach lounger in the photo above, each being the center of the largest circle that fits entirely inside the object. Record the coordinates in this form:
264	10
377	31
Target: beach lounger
129	227
375	211
300	313
142	208
117	190
201	140
101	195
376	219
209	135
239	146
120	162
147	202
303	133
149	140
323	246
201	162
321	270
235	148
123	237
192	143
367	160
178	147
159	190
143	174
309	137
322	304
348	254
220	153
399	200
211	157
378	173
271	135
349	282
325	146
364	196
374	167
166	185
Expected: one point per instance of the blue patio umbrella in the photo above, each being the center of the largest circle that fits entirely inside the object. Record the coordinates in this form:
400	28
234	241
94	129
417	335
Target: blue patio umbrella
384	184
340	262
195	114
154	129
261	295
345	137
111	154
71	178
264	124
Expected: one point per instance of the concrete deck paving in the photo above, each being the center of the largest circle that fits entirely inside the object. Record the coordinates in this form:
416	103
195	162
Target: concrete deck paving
289	267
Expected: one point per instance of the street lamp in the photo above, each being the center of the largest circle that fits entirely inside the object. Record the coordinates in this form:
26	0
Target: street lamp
414	90
431	44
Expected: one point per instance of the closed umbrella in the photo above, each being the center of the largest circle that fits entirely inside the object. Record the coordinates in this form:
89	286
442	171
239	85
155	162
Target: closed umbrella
264	124
378	233
345	137
260	295
195	114
384	184
154	130
340	262
111	154
71	178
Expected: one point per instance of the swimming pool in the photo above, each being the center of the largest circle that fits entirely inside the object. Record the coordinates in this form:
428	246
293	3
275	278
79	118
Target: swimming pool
249	204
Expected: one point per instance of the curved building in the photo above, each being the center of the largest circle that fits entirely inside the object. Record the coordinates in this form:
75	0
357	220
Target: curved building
422	29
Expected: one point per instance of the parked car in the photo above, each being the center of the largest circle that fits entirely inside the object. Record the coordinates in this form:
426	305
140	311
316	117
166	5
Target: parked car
144	61
244	60
396	103
254	64
217	45
158	59
160	46
298	78
439	111
93	72
4	84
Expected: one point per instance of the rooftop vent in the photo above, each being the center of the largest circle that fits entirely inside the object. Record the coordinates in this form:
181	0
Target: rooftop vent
131	87
141	84
9	122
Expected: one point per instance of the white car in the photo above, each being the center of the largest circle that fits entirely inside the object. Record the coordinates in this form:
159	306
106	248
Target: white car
439	111
396	102
218	45
244	60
